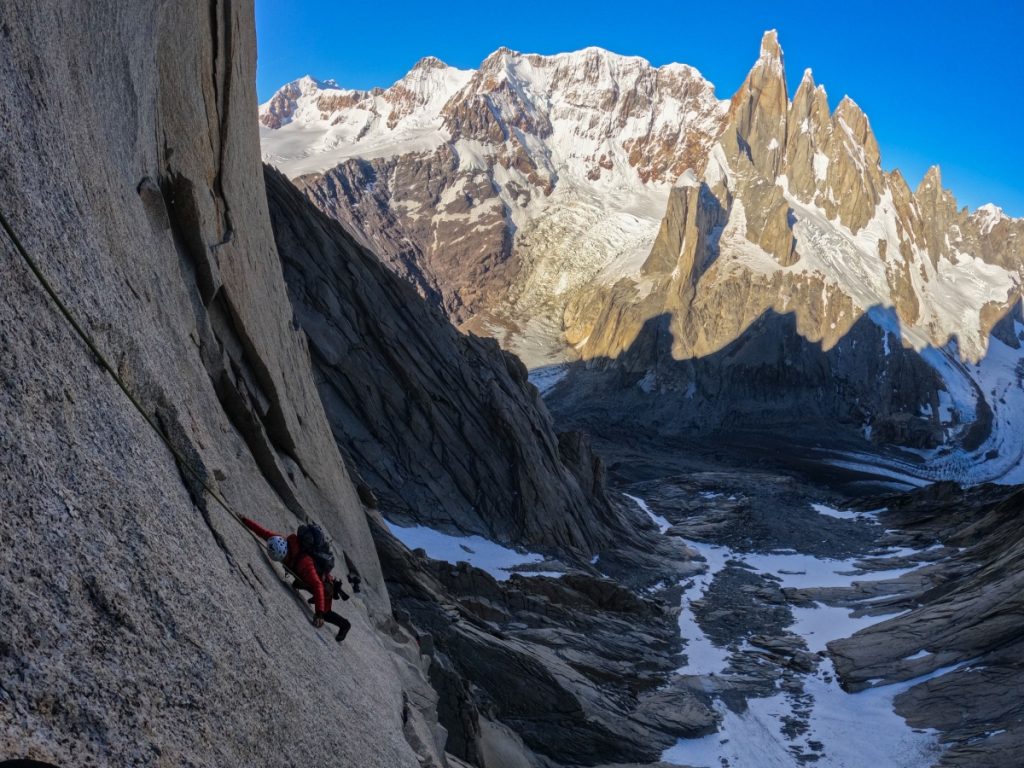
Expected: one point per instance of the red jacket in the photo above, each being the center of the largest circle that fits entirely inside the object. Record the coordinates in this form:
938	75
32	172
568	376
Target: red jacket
300	564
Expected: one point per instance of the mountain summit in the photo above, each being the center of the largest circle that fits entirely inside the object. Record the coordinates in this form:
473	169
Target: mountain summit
510	187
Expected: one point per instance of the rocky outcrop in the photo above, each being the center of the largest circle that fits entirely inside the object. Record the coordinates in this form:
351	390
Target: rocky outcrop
141	624
443	427
959	637
540	671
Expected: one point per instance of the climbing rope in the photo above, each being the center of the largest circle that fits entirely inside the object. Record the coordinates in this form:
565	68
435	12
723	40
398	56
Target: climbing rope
101	358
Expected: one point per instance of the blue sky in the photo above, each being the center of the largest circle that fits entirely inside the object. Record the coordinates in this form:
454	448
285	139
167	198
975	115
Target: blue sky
941	82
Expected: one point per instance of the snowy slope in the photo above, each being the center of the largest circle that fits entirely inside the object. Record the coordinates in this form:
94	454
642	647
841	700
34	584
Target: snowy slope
321	124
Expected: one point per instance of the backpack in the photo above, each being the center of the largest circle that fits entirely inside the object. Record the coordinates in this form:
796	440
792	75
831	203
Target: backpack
313	542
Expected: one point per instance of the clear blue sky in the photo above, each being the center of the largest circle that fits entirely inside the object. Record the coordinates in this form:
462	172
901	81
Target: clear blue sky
942	82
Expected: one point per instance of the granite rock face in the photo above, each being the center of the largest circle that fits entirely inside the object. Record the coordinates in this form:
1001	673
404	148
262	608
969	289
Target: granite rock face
141	624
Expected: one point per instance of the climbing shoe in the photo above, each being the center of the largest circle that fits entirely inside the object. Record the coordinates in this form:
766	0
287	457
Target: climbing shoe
343	632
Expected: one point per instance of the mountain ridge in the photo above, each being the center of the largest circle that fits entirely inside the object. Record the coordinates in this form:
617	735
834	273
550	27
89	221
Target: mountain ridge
546	255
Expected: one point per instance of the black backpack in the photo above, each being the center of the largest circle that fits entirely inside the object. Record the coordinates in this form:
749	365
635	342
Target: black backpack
313	542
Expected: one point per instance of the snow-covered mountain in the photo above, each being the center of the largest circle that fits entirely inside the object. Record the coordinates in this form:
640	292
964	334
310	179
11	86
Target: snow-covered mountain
795	214
794	219
506	190
515	191
590	206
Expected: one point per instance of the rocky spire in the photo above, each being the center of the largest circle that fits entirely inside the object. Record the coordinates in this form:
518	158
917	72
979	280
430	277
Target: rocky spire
809	131
757	114
429	62
937	208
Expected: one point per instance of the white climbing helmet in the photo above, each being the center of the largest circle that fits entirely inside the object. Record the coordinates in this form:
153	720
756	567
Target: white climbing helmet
277	548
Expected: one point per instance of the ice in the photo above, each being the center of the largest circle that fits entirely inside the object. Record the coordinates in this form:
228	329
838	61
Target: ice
824	623
703	657
661	522
476	550
951	293
547	376
842	514
837	720
999	379
820	166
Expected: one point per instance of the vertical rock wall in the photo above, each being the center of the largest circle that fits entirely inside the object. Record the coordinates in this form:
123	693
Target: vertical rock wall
141	624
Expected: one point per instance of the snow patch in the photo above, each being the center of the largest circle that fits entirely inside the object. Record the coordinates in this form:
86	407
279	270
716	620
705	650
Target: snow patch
658	520
842	514
476	550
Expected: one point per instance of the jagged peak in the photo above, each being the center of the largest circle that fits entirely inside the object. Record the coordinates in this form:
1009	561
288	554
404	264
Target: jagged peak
589	53
932	178
990	209
770	48
308	84
989	215
497	58
807	83
429	62
806	87
847	106
769	66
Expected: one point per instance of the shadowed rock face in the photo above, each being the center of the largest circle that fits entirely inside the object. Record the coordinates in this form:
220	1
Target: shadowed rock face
444	430
141	625
966	621
443	427
575	670
770	381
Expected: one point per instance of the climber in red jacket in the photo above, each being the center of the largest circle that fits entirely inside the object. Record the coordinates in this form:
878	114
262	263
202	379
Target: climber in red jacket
306	555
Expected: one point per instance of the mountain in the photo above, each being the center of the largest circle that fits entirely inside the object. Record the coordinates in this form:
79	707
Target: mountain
712	265
500	192
795	287
795	212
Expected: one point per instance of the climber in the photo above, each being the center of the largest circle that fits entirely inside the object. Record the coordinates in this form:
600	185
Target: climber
308	557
